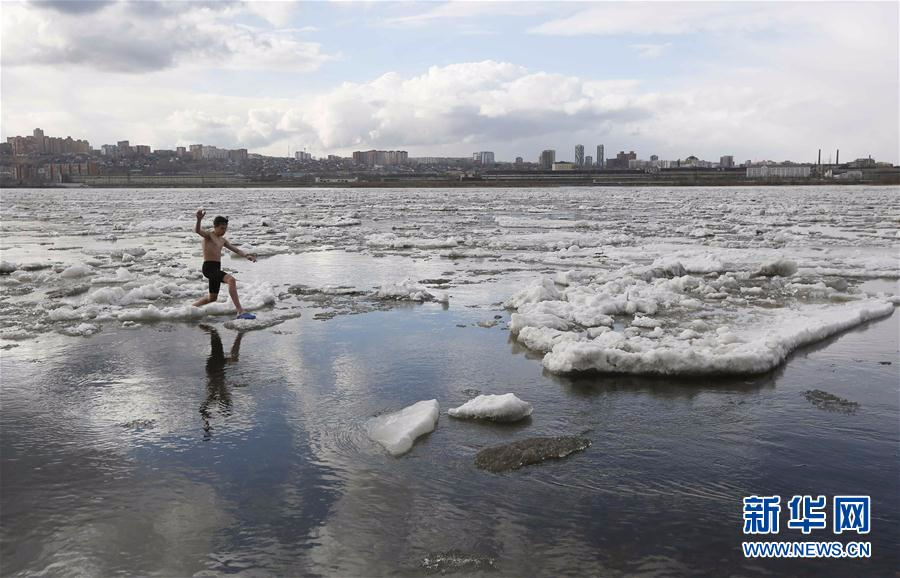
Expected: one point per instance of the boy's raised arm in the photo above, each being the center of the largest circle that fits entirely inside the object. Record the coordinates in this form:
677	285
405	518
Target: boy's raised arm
197	228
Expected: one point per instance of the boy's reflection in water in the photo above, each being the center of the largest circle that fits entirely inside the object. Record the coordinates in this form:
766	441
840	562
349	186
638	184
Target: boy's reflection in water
216	391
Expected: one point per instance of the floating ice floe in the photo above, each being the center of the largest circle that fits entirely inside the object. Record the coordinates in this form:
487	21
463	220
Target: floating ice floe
164	225
392	241
524	223
469	254
153	313
397	432
262	250
779	267
84	330
122	276
412	291
675	323
77	270
506	408
341	221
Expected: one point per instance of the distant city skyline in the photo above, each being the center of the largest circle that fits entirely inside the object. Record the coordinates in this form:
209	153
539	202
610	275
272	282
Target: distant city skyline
40	143
746	80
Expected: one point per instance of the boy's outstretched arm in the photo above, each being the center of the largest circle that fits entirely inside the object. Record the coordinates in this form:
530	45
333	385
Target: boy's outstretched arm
197	228
248	256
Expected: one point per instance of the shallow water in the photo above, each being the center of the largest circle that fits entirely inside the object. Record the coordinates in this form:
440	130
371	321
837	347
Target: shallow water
186	448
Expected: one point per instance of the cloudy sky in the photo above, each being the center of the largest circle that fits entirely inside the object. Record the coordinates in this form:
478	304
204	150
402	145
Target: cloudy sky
755	80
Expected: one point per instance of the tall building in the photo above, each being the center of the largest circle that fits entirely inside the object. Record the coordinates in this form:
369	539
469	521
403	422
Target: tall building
579	156
483	157
726	162
601	160
39	141
548	157
588	161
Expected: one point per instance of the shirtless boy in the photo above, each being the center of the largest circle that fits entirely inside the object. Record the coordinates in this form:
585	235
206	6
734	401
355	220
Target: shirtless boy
213	242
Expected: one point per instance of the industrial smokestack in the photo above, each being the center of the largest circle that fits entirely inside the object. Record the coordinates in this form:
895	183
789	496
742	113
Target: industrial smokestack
819	162
837	157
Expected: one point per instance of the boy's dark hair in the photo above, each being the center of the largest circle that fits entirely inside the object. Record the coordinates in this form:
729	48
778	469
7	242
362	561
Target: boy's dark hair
220	220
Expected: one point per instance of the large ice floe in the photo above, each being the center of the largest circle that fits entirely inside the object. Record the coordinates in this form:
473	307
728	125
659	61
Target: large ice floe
659	319
397	431
505	408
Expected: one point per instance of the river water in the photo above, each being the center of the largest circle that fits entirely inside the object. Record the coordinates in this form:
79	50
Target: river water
159	444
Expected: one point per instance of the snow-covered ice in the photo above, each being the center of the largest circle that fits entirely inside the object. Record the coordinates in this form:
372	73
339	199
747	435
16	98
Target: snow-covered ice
507	407
731	322
410	290
397	431
659	268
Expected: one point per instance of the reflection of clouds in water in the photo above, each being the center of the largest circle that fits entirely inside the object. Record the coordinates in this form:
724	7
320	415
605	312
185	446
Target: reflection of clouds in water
351	374
120	381
177	521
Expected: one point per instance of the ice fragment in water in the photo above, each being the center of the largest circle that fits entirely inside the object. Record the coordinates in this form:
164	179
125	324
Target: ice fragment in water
397	431
505	408
780	267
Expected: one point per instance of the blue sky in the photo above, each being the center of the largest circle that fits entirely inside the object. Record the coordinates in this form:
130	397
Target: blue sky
754	80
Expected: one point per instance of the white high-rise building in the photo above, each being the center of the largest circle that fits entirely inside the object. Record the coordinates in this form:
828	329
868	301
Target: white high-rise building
601	160
579	156
483	157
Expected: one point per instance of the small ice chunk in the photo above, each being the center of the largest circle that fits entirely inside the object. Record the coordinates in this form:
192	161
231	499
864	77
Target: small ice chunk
701	232
78	270
543	290
397	431
84	329
504	408
645	322
410	290
779	267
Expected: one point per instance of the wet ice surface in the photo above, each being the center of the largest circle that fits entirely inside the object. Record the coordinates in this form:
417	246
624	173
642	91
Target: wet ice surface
141	435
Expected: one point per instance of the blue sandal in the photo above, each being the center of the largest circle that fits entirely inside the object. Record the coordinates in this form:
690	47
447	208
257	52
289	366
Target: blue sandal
246	316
